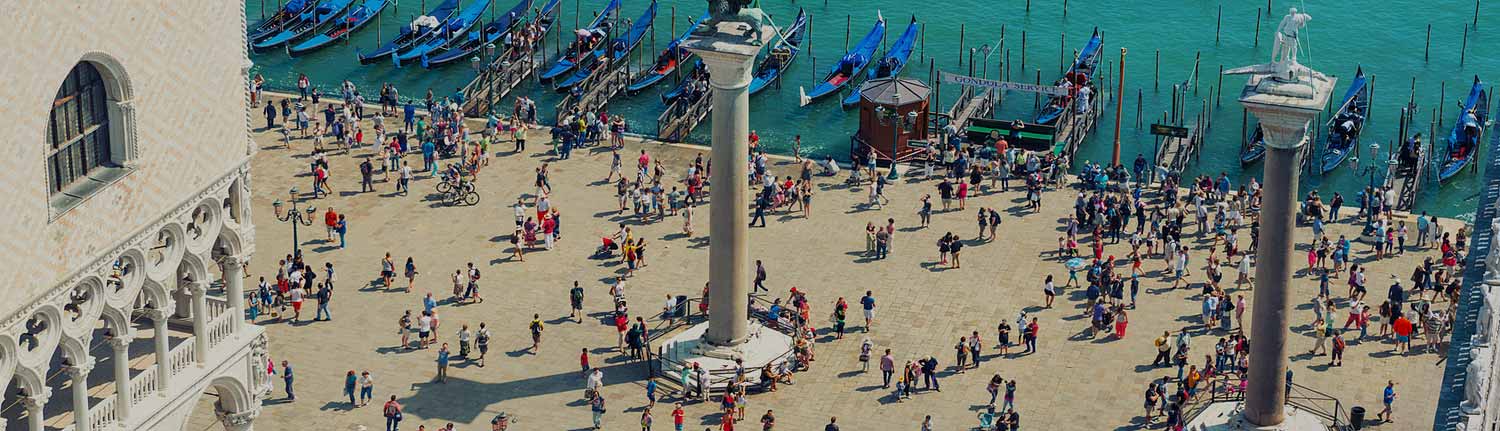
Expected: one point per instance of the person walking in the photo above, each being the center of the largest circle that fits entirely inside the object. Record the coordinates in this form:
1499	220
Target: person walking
393	414
366	388
868	304
760	277
575	298
287	377
1388	399
1163	350
324	295
482	341
596	406
887	368
536	333
351	381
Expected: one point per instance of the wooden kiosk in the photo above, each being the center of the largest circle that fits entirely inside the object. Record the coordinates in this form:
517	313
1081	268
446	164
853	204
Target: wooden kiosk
892	120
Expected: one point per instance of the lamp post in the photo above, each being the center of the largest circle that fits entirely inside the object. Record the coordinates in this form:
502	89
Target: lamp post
987	50
899	123
294	218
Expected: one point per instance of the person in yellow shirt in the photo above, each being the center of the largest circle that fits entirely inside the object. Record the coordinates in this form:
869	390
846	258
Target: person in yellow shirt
1192	381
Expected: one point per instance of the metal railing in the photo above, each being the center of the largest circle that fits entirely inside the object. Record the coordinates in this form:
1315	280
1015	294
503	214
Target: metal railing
721	379
1231	388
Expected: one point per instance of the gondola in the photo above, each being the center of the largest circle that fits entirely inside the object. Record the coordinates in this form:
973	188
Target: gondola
891	64
288	13
453	29
617	49
1345	127
693	74
1081	73
1464	140
345	25
782	55
306	23
1256	149
412	33
578	51
849	66
475	41
667	61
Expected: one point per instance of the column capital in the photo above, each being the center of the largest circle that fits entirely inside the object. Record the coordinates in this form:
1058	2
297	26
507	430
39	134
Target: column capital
239	420
160	315
234	261
81	369
197	288
38	399
122	341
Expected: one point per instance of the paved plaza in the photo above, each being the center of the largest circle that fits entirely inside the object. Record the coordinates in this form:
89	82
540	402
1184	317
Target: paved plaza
1072	382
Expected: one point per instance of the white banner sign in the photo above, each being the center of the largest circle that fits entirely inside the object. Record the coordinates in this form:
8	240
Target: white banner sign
1049	90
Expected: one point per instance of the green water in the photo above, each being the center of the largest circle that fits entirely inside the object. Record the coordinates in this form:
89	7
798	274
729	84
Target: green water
1386	37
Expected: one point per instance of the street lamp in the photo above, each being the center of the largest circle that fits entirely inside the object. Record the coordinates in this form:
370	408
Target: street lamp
986	50
893	117
295	218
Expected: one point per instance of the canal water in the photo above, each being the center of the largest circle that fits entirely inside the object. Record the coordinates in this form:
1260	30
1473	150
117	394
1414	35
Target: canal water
1388	38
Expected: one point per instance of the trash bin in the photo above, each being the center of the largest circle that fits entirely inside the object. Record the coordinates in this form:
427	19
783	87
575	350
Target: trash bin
1357	417
681	310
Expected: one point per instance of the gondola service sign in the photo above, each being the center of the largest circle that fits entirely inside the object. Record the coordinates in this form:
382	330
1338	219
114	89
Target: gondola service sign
966	80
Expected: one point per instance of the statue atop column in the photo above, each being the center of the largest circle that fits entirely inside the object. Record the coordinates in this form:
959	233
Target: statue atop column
1284	52
735	11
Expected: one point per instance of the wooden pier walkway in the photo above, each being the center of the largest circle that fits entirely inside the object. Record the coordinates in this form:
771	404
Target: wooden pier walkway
499	78
683	115
1175	153
597	90
1407	180
971	105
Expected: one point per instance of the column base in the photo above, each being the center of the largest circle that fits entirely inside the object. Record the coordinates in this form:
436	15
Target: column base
764	347
1229	415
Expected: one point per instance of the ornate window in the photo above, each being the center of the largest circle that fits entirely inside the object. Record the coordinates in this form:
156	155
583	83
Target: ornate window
87	133
78	134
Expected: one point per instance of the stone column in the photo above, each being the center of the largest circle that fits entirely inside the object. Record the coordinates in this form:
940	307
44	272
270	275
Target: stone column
234	288
163	369
121	345
34	408
730	58
80	374
199	292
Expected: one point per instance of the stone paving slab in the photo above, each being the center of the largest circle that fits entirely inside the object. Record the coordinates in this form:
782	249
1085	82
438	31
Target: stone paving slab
1071	383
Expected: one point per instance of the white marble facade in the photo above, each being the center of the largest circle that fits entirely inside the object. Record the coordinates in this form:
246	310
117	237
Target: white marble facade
123	304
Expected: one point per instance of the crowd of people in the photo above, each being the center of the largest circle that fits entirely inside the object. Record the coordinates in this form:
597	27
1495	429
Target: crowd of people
1202	223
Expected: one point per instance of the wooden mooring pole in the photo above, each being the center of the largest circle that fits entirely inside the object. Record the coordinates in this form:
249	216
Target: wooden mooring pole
1442	101
961	29
1463	50
1218	24
1427	45
1062	43
848	20
1156	75
1220	95
1257	27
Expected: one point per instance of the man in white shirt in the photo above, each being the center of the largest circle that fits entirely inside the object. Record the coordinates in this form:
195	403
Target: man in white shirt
424	328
